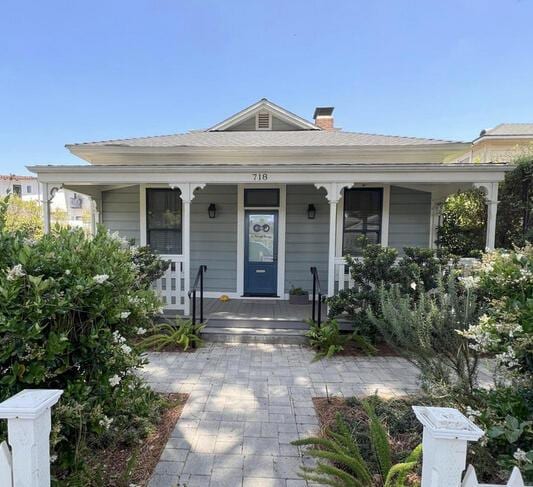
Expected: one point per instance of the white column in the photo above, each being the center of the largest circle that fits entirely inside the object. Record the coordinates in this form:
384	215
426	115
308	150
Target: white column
492	208
332	244
29	423
334	191
45	199
444	444
186	195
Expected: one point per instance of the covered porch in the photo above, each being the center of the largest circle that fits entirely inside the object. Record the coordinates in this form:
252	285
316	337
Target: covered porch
312	222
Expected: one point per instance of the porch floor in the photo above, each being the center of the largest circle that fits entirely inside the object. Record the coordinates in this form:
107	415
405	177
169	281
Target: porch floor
268	310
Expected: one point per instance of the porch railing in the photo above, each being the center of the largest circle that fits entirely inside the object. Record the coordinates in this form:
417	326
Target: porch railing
343	278
170	287
198	286
316	314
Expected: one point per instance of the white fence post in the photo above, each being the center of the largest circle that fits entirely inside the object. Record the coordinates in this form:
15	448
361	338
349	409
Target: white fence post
446	433
29	423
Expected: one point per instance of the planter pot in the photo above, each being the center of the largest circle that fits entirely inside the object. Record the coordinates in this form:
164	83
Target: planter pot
298	298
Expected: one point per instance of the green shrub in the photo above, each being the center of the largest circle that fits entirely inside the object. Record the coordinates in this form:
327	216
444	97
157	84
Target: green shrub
69	306
22	216
505	281
382	266
326	338
183	334
423	328
462	223
347	466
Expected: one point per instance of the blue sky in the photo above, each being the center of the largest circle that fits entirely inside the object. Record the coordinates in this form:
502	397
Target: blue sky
74	71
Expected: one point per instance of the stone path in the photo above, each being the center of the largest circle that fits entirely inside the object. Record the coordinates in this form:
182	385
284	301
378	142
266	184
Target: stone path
248	402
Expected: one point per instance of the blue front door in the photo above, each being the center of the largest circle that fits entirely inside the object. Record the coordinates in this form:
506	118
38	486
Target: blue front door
261	253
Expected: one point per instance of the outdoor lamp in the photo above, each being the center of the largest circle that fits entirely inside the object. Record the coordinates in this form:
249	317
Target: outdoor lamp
212	210
311	211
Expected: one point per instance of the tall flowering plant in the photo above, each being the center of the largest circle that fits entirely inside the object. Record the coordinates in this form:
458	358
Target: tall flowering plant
505	282
69	307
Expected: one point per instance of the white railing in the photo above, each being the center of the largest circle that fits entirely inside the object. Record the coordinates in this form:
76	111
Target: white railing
444	448
25	457
343	278
170	287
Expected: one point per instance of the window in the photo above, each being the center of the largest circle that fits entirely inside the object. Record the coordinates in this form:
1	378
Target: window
28	189
263	121
362	217
258	198
17	189
163	220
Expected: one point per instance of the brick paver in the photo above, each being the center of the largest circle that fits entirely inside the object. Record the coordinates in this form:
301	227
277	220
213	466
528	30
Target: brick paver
249	401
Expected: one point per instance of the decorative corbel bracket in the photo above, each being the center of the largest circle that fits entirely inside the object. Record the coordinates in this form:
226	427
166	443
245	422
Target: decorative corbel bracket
334	190
187	190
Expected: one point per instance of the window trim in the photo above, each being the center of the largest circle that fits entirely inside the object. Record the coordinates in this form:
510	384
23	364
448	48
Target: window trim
146	232
384	201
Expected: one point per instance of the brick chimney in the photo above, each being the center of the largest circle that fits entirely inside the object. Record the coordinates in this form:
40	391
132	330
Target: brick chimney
323	117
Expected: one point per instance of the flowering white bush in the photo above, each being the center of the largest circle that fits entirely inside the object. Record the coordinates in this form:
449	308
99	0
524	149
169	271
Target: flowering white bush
505	280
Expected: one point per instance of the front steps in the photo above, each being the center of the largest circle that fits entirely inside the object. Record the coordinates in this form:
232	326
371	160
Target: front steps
289	332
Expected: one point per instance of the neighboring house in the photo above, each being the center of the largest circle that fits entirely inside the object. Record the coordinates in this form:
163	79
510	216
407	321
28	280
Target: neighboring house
73	208
501	144
265	194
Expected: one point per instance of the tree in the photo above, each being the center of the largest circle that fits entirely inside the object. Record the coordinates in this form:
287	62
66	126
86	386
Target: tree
23	215
462	225
514	220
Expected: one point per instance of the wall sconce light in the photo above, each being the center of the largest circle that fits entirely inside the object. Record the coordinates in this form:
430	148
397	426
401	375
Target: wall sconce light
311	211
212	210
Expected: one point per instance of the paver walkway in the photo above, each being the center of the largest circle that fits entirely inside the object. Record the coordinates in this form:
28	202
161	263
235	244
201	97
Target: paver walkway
248	402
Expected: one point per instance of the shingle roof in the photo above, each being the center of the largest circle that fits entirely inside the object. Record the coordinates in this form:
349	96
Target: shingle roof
301	138
14	177
515	129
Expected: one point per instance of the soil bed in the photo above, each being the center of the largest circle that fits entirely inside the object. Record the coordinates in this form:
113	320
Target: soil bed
122	466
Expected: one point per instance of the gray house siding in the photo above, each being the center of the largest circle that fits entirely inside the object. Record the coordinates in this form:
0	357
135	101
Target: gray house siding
306	241
214	240
409	218
120	212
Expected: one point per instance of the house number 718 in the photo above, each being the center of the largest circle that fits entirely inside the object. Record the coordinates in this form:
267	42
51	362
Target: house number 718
260	176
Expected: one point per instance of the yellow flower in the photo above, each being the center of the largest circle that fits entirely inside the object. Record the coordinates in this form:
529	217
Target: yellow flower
224	298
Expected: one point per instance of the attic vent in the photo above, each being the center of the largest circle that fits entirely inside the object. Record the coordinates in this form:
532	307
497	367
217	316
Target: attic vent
263	121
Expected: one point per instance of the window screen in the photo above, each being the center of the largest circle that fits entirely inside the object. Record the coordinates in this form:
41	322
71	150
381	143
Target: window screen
261	197
163	220
362	217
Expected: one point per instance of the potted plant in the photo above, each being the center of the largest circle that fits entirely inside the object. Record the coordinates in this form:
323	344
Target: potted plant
297	295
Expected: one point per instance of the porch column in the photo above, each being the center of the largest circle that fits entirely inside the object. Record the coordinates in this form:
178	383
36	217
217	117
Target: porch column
491	190
45	195
334	192
186	195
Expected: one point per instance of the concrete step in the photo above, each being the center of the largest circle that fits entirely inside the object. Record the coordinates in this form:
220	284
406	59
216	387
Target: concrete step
241	334
270	323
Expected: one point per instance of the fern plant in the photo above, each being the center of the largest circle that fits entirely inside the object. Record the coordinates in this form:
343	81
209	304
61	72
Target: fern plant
326	338
346	466
182	334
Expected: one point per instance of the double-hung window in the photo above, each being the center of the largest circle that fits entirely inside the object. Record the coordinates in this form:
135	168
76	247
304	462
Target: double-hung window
163	220
361	217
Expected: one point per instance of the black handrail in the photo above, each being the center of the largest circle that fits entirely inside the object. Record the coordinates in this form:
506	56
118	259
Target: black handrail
192	294
317	293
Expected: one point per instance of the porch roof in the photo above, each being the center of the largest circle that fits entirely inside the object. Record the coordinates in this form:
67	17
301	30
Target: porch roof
283	173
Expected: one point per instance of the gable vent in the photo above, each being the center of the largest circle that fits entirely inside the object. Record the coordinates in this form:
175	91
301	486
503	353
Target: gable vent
263	121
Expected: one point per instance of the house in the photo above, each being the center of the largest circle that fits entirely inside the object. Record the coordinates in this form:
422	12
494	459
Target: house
265	194
502	143
67	207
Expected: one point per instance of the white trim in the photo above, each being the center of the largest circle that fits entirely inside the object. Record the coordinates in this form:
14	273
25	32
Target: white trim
385	215
295	174
142	214
281	209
